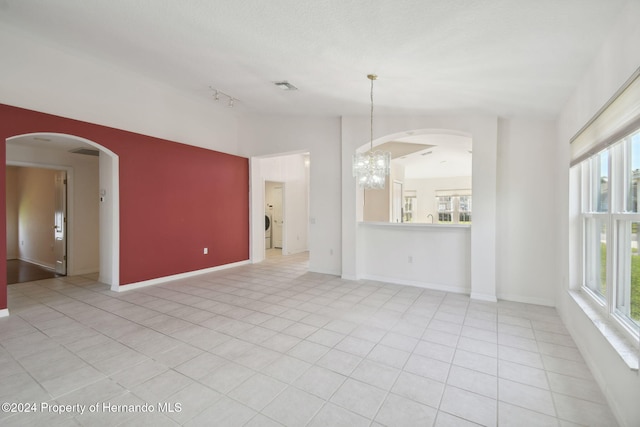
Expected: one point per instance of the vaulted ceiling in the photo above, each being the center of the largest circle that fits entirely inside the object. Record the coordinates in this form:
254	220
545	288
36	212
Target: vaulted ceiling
503	57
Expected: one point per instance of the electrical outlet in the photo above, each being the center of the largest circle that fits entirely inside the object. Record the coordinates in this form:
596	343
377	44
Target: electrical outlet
206	251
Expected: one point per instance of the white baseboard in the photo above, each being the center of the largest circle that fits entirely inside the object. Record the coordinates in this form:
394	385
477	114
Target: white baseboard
527	300
483	297
84	272
151	282
418	284
4	312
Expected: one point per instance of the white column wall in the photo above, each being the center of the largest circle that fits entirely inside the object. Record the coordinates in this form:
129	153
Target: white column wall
261	135
526	213
483	129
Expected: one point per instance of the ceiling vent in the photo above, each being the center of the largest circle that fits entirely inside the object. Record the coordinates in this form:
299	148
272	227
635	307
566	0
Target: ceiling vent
285	85
85	151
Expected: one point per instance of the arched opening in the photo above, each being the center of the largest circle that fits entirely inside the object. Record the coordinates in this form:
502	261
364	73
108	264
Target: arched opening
430	179
71	153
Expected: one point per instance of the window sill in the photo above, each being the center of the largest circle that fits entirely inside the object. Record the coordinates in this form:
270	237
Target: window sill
623	345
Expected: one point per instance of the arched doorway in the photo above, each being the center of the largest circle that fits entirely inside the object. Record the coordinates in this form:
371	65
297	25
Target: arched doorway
58	151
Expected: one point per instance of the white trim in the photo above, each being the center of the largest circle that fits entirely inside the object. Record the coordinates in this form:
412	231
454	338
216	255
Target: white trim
151	282
86	271
483	297
324	271
527	300
4	312
425	285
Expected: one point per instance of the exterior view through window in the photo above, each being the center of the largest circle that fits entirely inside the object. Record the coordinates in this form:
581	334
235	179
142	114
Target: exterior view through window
611	221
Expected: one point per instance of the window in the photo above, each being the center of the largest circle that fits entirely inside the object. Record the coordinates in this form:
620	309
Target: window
454	209
611	229
445	208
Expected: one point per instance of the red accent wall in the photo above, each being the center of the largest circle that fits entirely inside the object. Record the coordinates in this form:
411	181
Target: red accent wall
175	199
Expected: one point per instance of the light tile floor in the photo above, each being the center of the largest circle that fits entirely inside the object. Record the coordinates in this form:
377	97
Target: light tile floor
272	344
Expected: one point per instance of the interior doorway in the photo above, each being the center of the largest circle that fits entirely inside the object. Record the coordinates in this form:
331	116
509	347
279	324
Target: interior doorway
280	189
36	223
274	196
90	241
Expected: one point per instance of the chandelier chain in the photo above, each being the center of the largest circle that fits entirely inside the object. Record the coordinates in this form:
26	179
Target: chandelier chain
372	114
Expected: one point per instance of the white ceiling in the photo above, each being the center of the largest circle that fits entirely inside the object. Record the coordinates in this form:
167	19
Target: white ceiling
445	156
504	57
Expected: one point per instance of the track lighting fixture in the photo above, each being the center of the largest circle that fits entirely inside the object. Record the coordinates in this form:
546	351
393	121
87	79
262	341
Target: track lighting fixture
217	93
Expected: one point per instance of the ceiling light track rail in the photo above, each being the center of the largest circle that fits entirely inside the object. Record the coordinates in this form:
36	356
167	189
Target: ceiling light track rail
218	93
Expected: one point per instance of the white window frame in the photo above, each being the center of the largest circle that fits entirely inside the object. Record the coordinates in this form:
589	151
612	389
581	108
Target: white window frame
618	222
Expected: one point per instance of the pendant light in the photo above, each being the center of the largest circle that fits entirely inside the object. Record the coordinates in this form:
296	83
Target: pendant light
372	167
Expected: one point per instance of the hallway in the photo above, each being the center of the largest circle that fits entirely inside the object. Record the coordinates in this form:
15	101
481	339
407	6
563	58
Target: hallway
19	271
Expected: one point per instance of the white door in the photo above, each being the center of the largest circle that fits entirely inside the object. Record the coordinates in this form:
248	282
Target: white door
277	217
60	222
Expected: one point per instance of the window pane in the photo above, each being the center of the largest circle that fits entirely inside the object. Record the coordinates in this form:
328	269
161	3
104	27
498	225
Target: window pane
445	208
465	208
596	255
634	178
601	182
628	292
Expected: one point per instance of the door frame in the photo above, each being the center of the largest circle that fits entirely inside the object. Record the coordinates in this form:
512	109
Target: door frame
61	202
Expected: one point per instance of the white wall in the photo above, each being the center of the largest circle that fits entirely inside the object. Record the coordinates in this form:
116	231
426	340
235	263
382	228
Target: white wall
82	210
430	256
527	220
619	57
47	78
320	137
426	194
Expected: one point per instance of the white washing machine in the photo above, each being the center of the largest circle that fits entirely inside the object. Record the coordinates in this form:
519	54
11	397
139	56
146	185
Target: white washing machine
267	230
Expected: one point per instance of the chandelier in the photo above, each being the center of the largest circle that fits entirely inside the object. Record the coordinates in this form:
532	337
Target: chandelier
372	167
